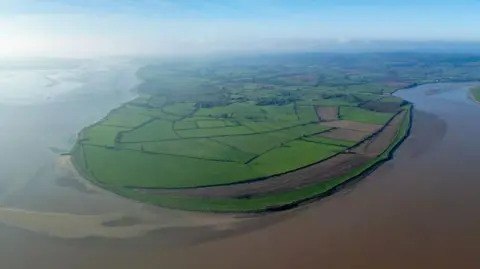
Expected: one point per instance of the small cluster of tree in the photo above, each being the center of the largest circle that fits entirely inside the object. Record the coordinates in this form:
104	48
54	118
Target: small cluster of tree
221	116
333	95
278	101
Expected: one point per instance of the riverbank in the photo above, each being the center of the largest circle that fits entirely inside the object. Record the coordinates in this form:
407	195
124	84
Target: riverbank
264	203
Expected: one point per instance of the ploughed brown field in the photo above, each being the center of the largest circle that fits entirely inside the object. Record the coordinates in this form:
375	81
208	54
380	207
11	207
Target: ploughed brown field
334	167
327	113
345	134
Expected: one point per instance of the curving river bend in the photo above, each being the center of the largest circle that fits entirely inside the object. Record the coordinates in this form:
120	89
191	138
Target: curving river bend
419	210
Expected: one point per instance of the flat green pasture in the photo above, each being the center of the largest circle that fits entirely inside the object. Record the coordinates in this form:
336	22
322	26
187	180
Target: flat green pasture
263	202
125	116
101	135
268	126
153	131
237	110
202	148
307	114
250	111
184	125
121	168
154	113
260	143
292	156
179	109
208	132
210	123
280	113
157	101
365	116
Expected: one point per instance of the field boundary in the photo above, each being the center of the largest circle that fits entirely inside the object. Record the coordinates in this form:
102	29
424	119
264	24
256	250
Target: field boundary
357	176
274	175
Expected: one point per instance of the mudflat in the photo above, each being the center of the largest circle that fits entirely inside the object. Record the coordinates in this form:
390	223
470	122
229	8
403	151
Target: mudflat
382	222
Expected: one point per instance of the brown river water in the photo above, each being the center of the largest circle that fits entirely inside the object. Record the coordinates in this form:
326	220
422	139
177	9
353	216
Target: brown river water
420	210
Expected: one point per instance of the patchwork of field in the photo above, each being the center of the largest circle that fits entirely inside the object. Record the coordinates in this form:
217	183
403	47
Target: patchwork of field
247	140
357	156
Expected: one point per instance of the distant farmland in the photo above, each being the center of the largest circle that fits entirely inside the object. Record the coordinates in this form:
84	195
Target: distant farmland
239	142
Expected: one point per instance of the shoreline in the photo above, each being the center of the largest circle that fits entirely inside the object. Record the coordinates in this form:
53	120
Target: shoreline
379	160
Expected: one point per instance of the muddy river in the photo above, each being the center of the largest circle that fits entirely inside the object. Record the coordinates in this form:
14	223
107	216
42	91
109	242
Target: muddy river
420	210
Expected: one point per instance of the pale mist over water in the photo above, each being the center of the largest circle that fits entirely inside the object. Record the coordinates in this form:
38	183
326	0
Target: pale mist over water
42	108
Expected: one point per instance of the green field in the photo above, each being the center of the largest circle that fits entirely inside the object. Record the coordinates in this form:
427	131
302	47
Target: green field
152	131
475	93
292	156
362	115
259	204
211	123
101	135
219	124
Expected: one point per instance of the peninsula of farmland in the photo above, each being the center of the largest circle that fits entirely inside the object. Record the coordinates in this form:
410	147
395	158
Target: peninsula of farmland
242	138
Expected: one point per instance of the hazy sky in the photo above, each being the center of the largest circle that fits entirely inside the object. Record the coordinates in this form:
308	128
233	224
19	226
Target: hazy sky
96	27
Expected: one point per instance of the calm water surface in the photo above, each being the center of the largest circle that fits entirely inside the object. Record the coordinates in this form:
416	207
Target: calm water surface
418	211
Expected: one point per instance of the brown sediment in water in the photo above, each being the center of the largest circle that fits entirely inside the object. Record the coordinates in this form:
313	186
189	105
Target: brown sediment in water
420	210
406	214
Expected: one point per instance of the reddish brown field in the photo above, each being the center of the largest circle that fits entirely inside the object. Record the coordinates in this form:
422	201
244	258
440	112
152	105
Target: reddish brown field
345	134
327	113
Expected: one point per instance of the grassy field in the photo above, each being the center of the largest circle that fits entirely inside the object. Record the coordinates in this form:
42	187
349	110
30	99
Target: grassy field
152	131
101	135
475	93
293	155
329	141
365	116
269	202
226	125
121	168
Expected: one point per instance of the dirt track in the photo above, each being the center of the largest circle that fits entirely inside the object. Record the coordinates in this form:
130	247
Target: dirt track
317	173
327	113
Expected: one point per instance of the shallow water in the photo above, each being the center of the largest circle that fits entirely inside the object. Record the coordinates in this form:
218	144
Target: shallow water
418	211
